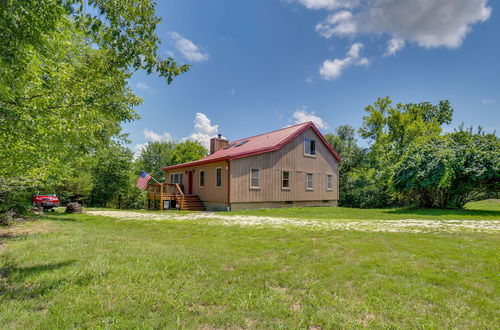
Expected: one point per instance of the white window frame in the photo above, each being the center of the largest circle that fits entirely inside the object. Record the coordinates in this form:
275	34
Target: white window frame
179	178
282	179
199	179
312	181
218	168
329	179
258	178
307	147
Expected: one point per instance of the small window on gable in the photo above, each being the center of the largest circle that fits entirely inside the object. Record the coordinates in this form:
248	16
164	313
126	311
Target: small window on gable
285	179
329	182
218	177
202	178
255	178
309	147
310	181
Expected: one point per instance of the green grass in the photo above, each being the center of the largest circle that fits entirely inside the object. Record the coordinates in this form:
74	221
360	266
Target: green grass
79	271
483	210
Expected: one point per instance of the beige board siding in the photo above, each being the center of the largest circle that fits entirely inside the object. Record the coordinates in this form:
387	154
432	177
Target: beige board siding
208	193
267	205
291	158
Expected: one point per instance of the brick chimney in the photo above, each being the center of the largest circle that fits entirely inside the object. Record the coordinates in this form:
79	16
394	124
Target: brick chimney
218	143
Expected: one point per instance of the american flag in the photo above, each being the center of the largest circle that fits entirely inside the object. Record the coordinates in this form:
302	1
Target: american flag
142	180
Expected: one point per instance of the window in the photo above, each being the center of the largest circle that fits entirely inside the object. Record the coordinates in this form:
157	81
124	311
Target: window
309	181
202	178
329	182
176	178
254	178
285	180
242	143
218	177
309	147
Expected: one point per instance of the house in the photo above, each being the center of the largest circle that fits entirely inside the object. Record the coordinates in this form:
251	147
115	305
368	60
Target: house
292	166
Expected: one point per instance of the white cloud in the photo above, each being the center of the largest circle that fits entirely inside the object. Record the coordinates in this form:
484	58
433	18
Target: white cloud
155	137
142	85
394	46
428	23
332	69
488	101
151	136
188	49
170	53
327	4
203	130
138	149
302	116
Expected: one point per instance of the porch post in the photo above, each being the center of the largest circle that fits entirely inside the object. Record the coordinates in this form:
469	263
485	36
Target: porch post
161	197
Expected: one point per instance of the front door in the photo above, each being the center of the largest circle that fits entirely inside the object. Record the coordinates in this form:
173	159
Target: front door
190	182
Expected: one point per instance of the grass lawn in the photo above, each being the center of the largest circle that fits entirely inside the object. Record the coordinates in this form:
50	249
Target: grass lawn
74	271
483	210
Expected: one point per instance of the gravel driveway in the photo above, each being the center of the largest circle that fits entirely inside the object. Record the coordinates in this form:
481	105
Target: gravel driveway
406	225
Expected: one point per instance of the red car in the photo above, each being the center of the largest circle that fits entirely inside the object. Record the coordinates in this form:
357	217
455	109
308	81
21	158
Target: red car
47	201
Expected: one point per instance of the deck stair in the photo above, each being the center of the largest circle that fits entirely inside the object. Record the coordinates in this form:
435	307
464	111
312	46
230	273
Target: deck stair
192	203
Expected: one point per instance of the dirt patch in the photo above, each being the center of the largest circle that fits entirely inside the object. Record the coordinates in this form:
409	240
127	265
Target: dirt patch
228	267
25	229
367	319
396	226
296	307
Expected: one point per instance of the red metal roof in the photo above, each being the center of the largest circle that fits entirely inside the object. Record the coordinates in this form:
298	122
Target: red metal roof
258	144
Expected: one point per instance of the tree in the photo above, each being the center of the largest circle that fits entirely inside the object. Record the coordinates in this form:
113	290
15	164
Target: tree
154	156
393	130
344	142
64	70
111	175
187	151
450	170
355	184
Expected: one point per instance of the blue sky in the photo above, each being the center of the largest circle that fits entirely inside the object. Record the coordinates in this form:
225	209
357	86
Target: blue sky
259	65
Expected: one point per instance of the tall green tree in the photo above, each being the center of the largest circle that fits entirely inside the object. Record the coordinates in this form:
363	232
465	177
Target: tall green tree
344	142
111	175
154	156
188	151
356	188
64	70
392	130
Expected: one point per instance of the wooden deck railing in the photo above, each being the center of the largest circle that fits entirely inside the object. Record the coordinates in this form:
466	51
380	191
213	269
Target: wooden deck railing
163	192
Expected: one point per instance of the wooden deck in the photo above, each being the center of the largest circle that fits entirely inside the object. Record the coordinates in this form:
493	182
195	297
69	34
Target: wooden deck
161	192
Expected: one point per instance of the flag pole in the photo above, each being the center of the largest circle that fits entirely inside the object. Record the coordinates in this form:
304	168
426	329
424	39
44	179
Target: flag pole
152	177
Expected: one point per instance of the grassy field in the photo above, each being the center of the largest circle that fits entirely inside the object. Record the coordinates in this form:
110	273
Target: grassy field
82	271
483	210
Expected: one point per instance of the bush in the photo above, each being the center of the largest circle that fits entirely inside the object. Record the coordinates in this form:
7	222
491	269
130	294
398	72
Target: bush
15	198
451	170
362	189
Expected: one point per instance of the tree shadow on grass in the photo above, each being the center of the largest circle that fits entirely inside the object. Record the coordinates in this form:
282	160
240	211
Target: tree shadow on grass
445	212
55	216
13	284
